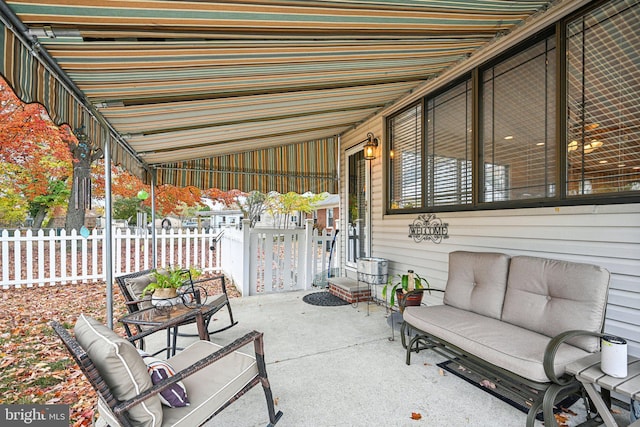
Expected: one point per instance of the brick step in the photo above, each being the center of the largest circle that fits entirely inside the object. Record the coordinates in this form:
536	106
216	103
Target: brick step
349	290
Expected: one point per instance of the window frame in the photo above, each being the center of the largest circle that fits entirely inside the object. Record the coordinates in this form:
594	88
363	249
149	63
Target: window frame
561	197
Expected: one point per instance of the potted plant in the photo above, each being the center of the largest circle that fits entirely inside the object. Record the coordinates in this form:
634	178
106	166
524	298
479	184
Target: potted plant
167	283
407	283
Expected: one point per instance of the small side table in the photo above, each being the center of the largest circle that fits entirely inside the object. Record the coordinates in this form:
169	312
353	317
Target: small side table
588	372
169	317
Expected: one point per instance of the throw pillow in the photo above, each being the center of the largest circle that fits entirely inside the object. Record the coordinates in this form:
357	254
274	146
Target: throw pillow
174	396
121	367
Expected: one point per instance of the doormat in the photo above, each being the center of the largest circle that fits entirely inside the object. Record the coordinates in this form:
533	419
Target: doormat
324	299
501	392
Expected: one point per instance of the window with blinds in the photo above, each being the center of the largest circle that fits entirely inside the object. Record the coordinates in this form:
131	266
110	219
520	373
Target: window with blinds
518	141
603	89
518	157
405	159
449	146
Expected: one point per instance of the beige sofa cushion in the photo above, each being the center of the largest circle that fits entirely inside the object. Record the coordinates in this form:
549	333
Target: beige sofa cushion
224	378
552	296
121	367
510	347
477	282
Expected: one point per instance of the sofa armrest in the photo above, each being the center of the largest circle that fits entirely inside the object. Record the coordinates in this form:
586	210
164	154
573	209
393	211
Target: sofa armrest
138	301
254	336
552	348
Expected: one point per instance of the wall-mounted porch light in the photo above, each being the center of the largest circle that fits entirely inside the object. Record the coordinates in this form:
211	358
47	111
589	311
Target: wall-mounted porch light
370	147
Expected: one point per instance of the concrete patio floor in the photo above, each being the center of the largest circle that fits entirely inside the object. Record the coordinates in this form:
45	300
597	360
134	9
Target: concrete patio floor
335	366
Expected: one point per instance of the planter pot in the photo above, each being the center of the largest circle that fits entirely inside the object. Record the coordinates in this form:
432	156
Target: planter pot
165	297
411	300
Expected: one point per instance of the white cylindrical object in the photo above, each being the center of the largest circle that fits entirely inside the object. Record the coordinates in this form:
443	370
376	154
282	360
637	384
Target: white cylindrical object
614	356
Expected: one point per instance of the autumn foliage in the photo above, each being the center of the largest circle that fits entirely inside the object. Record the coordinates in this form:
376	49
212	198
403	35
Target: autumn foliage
37	166
34	157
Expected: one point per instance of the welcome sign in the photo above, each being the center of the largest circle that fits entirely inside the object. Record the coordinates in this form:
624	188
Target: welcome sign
428	228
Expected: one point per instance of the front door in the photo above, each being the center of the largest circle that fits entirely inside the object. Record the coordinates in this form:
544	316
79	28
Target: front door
357	207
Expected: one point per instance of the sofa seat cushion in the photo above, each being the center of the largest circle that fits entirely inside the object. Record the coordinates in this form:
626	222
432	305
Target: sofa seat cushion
552	296
477	282
210	387
501	344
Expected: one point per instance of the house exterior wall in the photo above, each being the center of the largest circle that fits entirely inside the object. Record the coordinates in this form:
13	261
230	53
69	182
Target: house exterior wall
605	235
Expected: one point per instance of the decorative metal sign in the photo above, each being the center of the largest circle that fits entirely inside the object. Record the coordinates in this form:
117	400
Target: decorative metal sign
428	227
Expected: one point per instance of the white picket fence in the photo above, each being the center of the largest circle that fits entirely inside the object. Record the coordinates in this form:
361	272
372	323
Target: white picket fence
50	258
273	260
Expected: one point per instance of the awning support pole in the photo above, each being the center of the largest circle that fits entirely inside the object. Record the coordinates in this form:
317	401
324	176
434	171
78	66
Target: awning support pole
107	253
154	248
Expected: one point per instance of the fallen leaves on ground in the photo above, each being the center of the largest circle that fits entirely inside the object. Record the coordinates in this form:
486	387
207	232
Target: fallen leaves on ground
441	372
36	367
416	416
561	419
488	384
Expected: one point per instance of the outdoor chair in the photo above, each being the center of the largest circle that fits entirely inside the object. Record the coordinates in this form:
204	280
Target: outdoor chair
131	286
212	376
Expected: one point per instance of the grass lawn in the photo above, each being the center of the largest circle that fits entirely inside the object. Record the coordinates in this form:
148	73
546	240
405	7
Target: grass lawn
36	367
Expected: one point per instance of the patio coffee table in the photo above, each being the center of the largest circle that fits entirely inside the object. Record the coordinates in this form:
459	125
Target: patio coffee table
159	318
588	372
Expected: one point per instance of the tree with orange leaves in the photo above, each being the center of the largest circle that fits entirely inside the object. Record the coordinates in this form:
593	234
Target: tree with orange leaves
43	166
172	200
228	198
35	160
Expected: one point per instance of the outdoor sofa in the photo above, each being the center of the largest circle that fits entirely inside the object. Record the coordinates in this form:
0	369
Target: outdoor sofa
518	320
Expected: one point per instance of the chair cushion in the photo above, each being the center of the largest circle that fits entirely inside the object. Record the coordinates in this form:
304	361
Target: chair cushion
508	346
174	396
477	282
135	286
211	387
121	367
551	296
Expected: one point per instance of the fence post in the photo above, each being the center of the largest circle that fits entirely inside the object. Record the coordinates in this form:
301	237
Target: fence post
247	260
309	253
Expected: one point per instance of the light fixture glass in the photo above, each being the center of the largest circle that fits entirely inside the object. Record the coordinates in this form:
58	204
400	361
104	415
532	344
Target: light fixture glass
370	147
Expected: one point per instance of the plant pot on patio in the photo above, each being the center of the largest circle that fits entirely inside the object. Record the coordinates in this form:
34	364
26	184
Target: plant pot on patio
400	289
162	297
409	300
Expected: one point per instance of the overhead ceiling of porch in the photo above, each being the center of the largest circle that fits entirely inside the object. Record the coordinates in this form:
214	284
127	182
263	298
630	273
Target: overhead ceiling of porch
187	84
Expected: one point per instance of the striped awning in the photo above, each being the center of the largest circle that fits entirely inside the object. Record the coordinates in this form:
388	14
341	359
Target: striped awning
245	94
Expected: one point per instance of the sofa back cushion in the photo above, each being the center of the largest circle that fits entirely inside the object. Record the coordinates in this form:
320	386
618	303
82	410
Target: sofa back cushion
136	285
477	282
551	296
